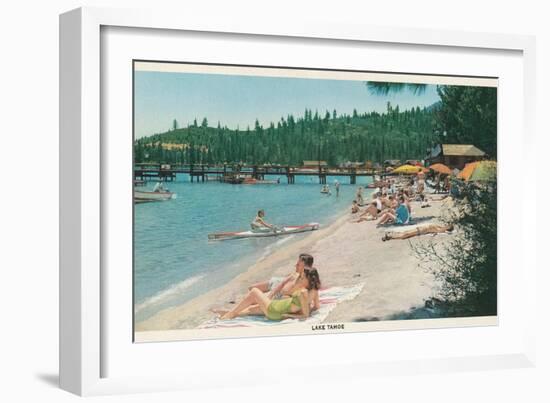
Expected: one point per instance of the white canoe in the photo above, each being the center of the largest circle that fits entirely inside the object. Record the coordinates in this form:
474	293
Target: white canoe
142	197
286	230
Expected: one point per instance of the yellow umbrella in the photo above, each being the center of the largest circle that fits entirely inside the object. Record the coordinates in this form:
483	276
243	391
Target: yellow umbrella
407	169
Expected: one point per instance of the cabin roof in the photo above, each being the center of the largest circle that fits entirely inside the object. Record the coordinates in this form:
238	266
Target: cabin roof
464	150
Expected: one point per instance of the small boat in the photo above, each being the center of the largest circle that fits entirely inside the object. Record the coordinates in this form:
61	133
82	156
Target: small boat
233	179
254	181
144	197
285	230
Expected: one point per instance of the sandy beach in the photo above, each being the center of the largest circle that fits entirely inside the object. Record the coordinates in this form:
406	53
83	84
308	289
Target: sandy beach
346	253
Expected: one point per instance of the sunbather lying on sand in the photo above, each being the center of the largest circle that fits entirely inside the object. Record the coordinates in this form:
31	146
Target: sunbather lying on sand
420	230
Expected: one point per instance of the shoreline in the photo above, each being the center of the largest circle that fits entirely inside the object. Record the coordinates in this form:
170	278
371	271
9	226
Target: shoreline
345	253
245	262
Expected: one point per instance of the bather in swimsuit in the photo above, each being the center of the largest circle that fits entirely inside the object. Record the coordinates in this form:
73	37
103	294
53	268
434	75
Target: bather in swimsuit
402	215
277	308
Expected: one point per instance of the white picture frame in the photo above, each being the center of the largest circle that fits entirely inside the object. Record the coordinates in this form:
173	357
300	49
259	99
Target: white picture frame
82	299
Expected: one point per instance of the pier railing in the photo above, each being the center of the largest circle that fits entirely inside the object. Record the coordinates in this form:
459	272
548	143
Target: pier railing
204	172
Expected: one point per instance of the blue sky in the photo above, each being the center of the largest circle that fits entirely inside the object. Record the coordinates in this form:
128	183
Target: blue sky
235	100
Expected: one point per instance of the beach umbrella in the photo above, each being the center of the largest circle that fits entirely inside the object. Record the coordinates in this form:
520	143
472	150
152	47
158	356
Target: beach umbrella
485	171
407	170
423	171
468	170
441	168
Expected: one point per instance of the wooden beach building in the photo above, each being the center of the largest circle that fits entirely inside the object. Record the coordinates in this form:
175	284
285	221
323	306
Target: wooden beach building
454	155
314	164
392	163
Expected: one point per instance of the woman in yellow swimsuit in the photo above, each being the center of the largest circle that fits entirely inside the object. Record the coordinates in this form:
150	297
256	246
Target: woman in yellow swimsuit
303	299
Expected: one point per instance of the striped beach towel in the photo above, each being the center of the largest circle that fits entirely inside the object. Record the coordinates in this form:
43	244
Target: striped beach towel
328	299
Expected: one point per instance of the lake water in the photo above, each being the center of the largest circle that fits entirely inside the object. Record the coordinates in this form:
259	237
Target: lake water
173	259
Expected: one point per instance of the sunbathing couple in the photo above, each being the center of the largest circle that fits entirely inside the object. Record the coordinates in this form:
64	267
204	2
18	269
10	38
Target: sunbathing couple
297	296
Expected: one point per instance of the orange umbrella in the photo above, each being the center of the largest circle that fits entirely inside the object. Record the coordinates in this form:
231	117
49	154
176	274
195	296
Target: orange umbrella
486	171
440	168
468	170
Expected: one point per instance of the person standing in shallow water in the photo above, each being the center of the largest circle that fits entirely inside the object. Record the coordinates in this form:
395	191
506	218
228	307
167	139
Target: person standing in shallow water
337	187
359	196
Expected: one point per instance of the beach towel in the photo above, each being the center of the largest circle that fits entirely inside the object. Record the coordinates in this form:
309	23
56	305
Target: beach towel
328	299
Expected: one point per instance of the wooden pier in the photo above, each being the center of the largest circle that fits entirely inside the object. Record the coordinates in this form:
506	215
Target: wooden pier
204	172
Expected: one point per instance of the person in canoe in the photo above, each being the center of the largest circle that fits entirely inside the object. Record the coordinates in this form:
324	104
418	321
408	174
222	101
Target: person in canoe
259	224
326	190
298	305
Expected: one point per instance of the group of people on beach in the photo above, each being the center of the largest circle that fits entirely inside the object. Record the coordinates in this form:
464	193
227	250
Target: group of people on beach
391	204
388	205
296	296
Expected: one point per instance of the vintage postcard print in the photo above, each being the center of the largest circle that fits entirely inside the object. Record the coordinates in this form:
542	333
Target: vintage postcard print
278	201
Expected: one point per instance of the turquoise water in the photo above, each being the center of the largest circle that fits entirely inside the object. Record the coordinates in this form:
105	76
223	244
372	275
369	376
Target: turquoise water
173	259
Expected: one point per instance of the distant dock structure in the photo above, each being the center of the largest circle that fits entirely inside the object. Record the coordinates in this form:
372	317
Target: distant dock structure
231	172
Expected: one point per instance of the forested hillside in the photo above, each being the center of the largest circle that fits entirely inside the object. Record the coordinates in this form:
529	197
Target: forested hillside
335	138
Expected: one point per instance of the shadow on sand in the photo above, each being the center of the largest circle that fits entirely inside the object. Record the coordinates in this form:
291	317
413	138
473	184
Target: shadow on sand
433	308
414	221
